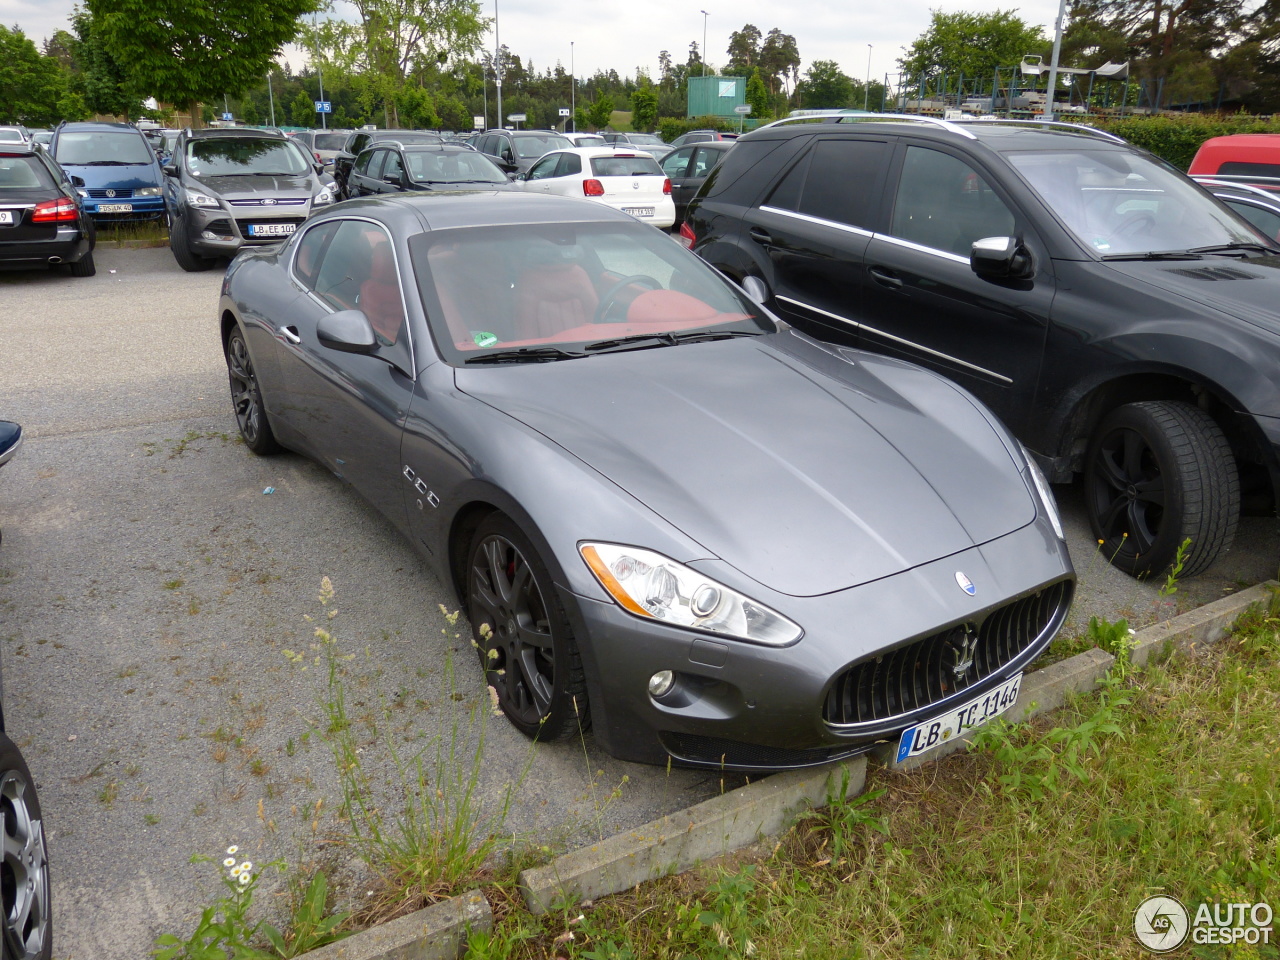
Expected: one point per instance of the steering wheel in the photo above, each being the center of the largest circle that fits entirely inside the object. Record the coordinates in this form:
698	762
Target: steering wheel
610	297
1132	225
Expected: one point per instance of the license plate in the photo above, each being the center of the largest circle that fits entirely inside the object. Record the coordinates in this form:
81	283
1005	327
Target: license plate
6	217
923	737
271	229
115	208
639	211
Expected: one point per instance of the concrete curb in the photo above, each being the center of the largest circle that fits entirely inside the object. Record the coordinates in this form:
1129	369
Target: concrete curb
737	819
438	932
679	841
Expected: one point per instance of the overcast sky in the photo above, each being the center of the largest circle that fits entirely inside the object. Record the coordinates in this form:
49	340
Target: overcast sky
625	34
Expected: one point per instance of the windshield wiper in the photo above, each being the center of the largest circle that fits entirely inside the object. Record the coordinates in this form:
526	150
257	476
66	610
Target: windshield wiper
1244	247
525	355
642	341
1155	255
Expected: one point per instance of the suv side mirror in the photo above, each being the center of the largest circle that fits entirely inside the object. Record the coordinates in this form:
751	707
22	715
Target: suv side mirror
170	169
1000	258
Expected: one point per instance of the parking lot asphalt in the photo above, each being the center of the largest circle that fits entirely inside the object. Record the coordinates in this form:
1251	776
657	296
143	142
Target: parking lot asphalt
149	588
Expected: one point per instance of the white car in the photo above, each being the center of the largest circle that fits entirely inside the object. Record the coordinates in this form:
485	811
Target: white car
586	139
626	180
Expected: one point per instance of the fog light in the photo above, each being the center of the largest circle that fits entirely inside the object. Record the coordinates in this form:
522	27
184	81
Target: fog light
660	683
209	235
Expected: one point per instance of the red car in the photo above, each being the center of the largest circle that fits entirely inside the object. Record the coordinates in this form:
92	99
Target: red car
1244	157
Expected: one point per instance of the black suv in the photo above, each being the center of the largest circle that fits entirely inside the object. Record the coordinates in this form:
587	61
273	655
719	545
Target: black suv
1123	322
228	187
360	140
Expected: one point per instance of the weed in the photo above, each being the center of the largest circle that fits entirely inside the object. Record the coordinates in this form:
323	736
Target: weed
127	672
843	816
108	794
151	818
1110	637
172	584
258	767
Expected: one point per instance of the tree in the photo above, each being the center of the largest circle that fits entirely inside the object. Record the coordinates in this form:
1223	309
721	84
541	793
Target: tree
104	83
779	61
644	108
825	86
758	96
302	112
973	44
33	84
744	50
196	50
600	113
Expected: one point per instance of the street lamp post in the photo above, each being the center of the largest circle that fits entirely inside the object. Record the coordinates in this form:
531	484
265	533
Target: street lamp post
271	98
866	91
704	41
573	92
1053	63
497	62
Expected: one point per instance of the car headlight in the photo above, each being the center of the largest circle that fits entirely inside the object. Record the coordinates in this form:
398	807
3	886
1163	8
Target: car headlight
200	199
323	197
655	587
147	192
1042	488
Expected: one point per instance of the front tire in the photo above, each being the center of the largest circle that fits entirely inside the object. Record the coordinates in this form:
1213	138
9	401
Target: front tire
182	253
1158	473
529	655
246	398
24	867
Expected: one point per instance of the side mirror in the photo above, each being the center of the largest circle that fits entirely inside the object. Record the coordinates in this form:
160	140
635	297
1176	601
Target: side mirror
1001	258
319	167
170	170
77	181
516	177
755	290
348	331
394	180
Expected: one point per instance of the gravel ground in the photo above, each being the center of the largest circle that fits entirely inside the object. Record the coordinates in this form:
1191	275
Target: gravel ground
149	590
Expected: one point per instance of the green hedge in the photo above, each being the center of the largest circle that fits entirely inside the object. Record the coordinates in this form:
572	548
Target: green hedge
1177	138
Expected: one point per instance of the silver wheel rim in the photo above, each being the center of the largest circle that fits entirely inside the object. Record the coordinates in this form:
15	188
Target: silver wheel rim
24	870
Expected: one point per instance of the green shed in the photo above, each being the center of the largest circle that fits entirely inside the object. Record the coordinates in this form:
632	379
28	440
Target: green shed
716	96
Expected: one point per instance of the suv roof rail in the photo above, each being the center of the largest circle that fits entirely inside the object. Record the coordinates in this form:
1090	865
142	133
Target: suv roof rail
1055	124
1244	186
859	116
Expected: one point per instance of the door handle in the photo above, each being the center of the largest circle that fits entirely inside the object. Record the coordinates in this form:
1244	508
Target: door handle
761	236
886	278
290	334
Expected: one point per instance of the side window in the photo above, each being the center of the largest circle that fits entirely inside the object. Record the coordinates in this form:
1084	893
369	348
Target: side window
376	158
307	252
837	180
676	162
358	272
359	142
943	203
1265	220
362	162
703	161
570	165
546	167
393	167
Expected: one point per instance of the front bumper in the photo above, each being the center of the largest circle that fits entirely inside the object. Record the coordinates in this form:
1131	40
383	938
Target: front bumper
221	231
113	209
743	706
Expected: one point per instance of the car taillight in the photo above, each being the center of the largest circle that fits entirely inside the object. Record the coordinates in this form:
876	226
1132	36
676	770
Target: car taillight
686	236
55	211
666	186
319	159
593	188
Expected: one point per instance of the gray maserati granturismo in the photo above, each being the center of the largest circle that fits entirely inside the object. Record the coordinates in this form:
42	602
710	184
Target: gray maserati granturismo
667	514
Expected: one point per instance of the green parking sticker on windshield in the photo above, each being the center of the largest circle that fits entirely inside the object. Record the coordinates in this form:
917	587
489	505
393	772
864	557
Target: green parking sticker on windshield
485	339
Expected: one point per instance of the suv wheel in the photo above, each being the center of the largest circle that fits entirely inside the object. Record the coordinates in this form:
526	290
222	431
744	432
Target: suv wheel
187	260
1157	474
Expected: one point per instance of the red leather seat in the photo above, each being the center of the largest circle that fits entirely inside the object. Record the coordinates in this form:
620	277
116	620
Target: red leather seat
553	298
380	294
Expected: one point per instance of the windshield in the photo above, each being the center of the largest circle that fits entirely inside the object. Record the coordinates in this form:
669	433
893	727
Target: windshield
330	141
641	166
646	138
241	156
1118	202
565	286
102	148
529	148
455	166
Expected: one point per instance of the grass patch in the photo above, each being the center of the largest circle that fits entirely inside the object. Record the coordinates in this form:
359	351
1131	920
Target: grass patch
153	230
1041	844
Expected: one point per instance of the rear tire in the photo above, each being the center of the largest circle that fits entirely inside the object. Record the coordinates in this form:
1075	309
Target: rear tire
187	259
1158	473
84	267
24	863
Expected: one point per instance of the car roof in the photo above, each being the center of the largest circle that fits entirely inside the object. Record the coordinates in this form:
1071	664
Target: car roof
604	152
96	126
479	208
20	148
1237	147
209	133
447	146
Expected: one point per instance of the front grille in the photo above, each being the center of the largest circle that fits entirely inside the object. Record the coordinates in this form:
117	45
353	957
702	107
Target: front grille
118	194
716	752
923	673
281	202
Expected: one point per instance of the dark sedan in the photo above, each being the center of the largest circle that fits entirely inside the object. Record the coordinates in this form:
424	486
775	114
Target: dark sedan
688	168
393	167
42	220
668	514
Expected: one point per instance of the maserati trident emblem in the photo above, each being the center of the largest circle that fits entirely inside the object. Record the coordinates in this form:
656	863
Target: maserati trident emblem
962	654
965	583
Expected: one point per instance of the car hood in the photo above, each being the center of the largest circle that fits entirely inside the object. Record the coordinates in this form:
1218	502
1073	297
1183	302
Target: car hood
807	472
254	187
1246	289
131	177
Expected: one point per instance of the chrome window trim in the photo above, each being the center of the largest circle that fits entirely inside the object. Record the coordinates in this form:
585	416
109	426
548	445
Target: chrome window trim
936	353
825	313
921	248
807	218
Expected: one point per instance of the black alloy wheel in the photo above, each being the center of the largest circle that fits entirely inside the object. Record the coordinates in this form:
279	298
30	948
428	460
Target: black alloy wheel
1159	473
24	863
186	258
527	649
246	398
